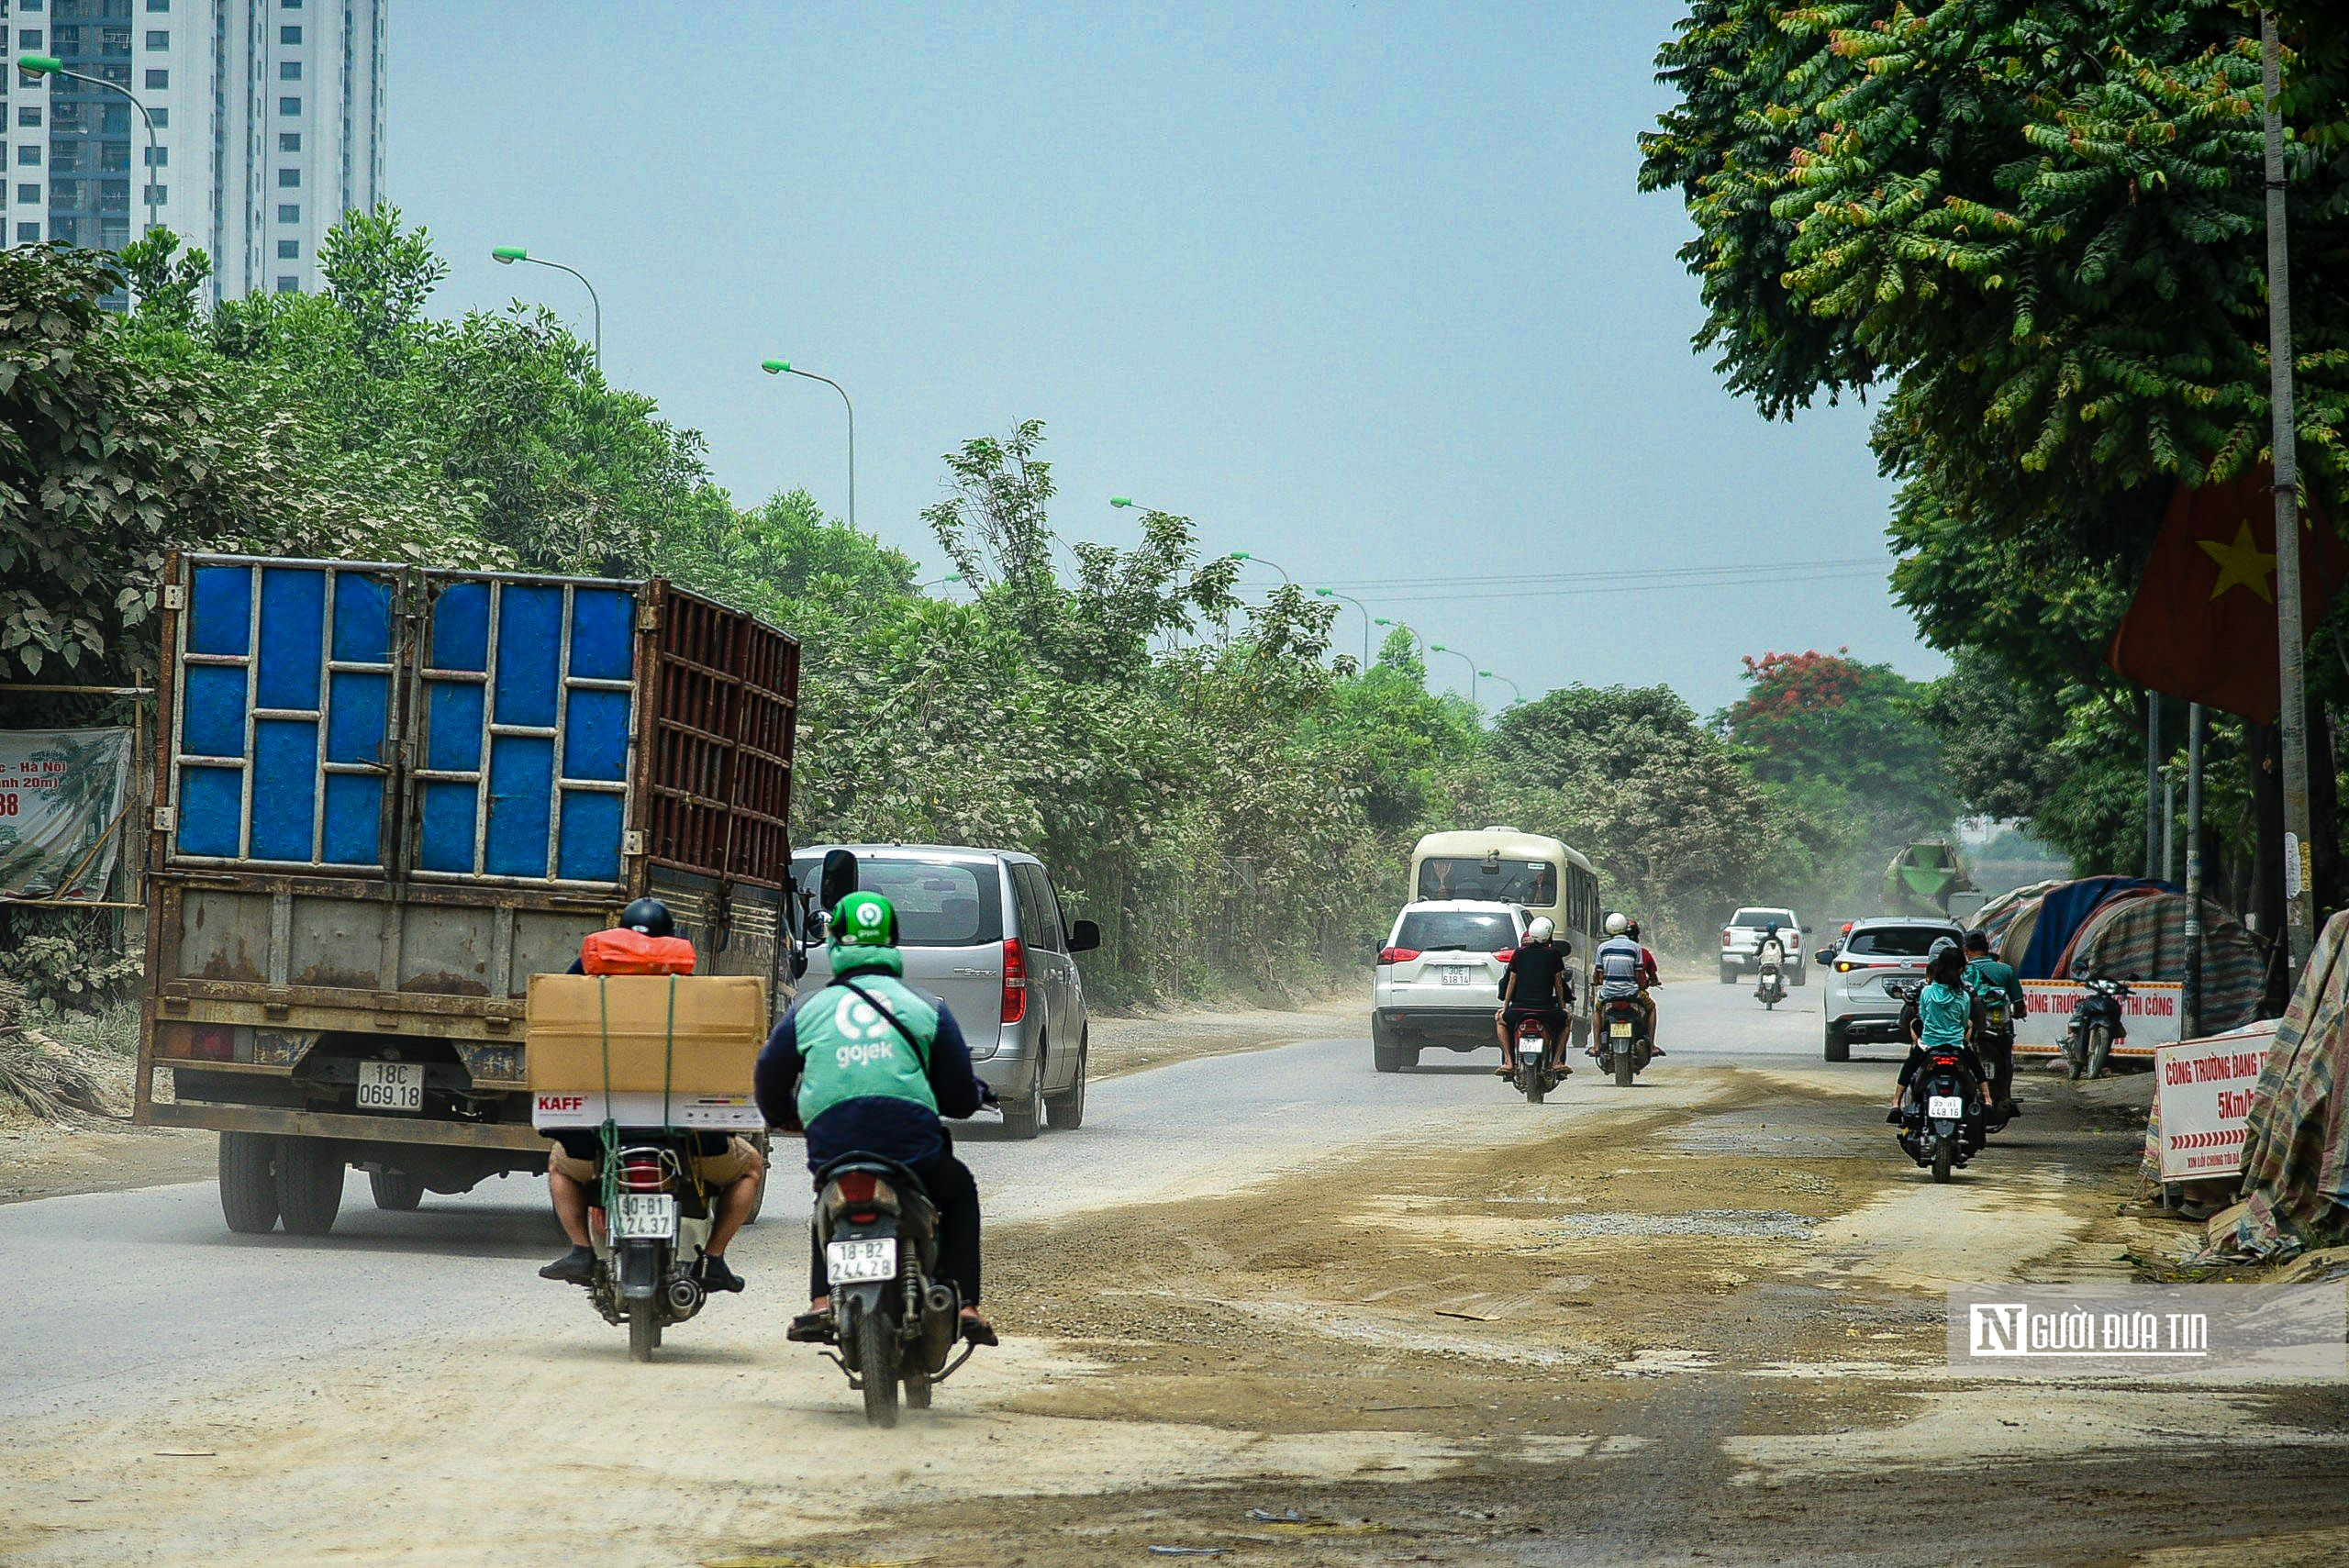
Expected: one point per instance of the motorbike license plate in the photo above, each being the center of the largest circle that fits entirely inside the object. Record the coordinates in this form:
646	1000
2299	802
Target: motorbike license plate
645	1217
1457	974
875	1257
391	1086
1618	1031
1944	1108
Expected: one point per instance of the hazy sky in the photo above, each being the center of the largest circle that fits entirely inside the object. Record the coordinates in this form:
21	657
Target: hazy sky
1366	289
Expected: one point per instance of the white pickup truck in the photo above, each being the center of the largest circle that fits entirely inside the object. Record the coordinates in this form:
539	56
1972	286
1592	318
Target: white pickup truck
1742	940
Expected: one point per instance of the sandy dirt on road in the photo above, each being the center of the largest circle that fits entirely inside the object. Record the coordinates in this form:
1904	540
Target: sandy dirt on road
1699	1320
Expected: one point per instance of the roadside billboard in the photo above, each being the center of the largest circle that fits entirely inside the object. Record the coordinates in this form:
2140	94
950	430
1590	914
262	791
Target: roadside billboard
2150	1013
2204	1112
62	796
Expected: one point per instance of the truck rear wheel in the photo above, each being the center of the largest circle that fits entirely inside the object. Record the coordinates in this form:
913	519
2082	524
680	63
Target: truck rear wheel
310	1185
395	1191
248	1187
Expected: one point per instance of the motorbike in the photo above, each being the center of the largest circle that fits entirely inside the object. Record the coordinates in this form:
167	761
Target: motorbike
1770	979
894	1323
1623	1041
1942	1124
2096	1026
1530	1068
648	1234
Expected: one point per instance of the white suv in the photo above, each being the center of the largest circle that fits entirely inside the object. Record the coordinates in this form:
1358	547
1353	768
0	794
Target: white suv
1438	977
1742	941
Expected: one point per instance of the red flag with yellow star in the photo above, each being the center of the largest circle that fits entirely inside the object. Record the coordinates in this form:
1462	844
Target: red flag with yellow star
2202	626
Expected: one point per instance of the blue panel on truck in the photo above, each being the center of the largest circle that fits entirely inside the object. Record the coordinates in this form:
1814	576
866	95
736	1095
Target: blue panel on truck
359	716
461	627
354	828
446	841
453	727
285	789
362	620
521	805
603	634
529	659
293	629
220	611
591	835
594	736
212	711
212	810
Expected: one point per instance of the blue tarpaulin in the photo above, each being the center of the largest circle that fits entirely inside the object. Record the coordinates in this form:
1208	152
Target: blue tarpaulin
2064	910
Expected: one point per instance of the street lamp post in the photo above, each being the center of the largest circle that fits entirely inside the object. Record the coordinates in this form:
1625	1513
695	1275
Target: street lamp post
1334	593
50	65
1243	555
941	581
1440	647
506	255
784	367
1515	696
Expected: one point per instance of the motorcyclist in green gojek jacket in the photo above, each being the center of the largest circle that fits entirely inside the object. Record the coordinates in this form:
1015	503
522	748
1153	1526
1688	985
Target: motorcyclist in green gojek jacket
868	1065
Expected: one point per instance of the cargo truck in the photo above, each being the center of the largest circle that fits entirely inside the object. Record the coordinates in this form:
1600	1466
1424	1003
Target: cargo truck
385	797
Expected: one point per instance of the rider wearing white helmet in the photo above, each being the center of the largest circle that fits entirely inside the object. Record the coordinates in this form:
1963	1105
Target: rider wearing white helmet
1622	967
1536	986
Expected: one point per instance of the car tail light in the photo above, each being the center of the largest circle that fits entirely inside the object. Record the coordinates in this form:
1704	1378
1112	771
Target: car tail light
1015	980
1397	955
1794	941
856	1187
1724	936
1506	955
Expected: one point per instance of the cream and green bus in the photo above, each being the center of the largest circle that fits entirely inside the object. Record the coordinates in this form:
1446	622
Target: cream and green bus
1543	875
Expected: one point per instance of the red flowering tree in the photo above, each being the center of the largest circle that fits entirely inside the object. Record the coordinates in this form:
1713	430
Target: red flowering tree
1825	725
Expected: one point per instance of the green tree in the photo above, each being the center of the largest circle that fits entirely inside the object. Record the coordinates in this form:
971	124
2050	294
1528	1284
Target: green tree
1837	730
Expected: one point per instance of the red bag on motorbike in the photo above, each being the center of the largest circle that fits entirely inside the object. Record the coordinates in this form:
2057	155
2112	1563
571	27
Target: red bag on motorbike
622	951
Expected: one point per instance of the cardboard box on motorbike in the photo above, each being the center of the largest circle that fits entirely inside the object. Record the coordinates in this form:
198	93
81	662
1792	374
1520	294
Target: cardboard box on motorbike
696	1035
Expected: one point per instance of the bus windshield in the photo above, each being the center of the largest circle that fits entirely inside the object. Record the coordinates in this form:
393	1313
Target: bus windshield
1531	883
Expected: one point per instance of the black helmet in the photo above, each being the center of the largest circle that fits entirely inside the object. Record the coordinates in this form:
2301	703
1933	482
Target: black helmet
649	917
1977	941
1632	929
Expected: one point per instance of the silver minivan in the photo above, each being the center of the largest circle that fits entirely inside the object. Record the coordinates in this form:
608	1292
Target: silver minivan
983	931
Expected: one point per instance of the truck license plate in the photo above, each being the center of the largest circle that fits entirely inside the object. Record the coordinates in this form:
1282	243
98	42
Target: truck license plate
875	1257
391	1086
645	1217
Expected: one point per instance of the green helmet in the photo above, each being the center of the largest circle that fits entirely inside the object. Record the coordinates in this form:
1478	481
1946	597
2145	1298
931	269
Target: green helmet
864	921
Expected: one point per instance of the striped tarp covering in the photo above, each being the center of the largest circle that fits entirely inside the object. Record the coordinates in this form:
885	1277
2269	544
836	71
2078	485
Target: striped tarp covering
2296	1160
2143	933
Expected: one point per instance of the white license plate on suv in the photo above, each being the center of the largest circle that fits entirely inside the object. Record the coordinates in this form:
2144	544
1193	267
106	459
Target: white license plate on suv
875	1257
1456	974
1944	1108
645	1217
391	1086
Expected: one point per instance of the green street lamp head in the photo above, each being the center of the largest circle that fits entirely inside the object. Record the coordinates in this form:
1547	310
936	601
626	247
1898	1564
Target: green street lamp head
506	255
1240	555
1439	648
1488	675
775	367
1382	621
41	64
1327	593
1121	500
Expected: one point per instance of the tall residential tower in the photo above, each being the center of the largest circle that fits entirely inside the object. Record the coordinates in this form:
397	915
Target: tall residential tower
268	117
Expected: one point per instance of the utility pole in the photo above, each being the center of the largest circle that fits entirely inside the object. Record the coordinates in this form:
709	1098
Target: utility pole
2192	1022
2154	866
2299	898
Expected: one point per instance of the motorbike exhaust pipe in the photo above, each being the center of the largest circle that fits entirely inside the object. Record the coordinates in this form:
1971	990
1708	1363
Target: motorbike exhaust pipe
684	1297
940	1299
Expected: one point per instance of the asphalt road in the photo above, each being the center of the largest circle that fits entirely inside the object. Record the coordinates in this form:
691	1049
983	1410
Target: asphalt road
116	1298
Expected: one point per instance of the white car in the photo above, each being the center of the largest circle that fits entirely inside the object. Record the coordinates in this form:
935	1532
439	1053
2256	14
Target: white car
1742	941
1438	977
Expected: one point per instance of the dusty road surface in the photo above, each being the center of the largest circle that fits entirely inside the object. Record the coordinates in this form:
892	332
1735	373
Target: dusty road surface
1272	1305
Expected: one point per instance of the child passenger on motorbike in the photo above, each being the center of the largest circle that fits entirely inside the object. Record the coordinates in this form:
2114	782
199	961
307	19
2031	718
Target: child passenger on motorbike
1944	1020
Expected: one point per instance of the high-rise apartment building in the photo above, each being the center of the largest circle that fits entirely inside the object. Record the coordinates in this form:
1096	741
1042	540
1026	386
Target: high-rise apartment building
268	118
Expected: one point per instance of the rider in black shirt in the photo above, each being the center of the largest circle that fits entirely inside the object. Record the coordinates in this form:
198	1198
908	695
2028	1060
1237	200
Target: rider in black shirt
1536	986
